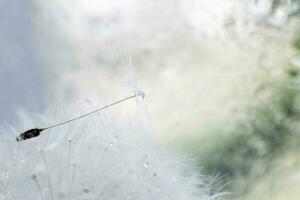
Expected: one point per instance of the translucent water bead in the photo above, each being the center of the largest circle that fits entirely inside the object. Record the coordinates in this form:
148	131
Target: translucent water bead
140	94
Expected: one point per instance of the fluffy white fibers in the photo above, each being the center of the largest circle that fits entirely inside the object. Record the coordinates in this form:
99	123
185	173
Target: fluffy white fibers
99	157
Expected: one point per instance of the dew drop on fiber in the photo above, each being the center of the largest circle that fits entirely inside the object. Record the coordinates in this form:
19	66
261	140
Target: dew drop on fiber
140	95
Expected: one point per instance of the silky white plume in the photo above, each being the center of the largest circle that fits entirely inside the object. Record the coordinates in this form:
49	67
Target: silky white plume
99	157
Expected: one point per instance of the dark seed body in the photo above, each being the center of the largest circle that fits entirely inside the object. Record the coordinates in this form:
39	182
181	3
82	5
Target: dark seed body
29	134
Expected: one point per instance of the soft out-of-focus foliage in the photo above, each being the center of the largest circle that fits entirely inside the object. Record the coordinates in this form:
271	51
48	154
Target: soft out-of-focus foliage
267	130
247	150
255	151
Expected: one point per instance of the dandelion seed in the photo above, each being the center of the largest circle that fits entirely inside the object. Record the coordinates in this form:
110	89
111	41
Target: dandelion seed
35	132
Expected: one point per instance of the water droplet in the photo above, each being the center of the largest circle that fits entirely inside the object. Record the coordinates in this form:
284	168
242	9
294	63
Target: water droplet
146	164
116	138
140	95
33	176
86	190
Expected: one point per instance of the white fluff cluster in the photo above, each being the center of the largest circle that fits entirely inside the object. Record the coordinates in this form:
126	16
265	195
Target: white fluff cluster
100	157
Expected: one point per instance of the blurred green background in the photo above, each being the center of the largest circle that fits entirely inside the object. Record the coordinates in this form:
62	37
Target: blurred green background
255	152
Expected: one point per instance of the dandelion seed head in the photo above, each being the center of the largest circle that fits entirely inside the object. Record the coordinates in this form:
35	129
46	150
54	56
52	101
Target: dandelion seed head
73	162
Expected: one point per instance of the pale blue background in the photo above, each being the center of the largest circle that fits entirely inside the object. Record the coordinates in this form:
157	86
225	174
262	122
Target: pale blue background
20	82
